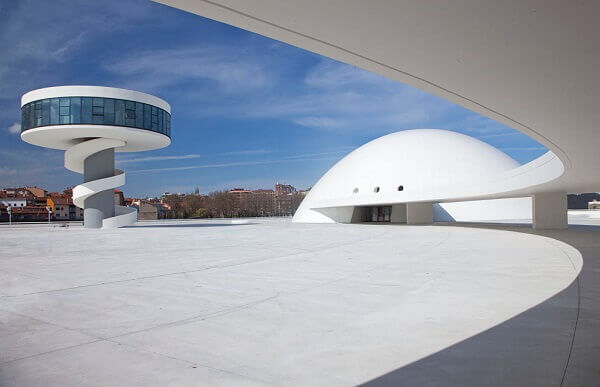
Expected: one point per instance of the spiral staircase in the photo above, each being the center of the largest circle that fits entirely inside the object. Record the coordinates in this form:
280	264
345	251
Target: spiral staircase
74	160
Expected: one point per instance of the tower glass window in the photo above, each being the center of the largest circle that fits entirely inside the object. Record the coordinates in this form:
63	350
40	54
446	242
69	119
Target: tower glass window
95	111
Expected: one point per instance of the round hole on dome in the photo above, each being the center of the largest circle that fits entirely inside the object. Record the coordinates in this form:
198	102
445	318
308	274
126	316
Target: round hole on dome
400	188
355	190
376	189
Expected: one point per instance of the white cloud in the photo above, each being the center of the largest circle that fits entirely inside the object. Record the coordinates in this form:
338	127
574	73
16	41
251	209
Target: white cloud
247	152
14	128
158	158
6	171
232	69
290	159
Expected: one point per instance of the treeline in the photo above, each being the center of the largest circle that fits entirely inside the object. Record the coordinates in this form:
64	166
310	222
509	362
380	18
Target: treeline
221	204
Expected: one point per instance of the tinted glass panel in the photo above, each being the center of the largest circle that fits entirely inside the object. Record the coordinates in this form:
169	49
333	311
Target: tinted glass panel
147	116
86	110
38	113
75	110
139	115
53	111
129	113
94	110
109	111
46	112
119	112
154	118
97	115
31	115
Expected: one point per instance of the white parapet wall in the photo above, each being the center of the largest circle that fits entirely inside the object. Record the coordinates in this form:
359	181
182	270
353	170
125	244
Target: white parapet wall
484	210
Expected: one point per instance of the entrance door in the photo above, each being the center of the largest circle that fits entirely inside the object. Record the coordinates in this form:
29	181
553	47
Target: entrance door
378	214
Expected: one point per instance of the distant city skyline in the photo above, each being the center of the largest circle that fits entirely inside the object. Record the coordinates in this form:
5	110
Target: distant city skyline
248	111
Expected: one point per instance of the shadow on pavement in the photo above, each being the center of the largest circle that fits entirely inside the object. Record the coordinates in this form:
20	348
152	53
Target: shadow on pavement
556	343
167	225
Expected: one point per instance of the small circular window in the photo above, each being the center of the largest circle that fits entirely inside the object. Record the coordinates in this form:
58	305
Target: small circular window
400	188
376	189
355	190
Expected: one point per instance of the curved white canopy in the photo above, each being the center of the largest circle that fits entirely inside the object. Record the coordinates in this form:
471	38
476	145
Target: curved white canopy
530	64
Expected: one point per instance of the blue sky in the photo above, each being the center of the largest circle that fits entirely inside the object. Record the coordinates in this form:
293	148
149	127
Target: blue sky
247	111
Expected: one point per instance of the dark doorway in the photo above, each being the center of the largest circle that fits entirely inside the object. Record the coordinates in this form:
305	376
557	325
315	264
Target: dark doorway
378	214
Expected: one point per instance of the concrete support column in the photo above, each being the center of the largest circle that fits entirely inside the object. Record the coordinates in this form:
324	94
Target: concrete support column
419	213
102	204
398	213
549	210
357	215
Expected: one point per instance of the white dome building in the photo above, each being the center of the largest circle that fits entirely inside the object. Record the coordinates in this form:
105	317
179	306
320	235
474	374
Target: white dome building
375	181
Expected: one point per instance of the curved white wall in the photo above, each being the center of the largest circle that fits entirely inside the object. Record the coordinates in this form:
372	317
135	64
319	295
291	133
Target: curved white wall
94	91
423	162
525	64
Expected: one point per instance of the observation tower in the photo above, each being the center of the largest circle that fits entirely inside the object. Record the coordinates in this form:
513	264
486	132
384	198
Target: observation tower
91	123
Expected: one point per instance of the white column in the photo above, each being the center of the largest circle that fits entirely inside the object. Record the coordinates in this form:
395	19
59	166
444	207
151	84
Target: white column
549	210
398	213
419	213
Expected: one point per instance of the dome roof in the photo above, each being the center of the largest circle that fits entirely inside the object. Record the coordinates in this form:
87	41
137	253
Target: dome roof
415	161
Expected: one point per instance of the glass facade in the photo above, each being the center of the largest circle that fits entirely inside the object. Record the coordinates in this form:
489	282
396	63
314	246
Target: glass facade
377	214
95	111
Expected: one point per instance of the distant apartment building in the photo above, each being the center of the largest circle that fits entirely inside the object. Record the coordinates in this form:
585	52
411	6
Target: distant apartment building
148	209
284	189
62	206
24	205
14	200
284	205
37	192
262	202
119	198
240	194
265	202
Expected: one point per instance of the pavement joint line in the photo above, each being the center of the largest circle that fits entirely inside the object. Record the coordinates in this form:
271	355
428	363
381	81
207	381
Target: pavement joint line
52	351
234	309
560	247
328	247
51	323
237	308
446	239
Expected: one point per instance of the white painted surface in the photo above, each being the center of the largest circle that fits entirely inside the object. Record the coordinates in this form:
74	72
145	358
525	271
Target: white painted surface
80	141
74	161
427	163
94	91
550	210
13	202
484	210
419	213
273	303
398	213
65	136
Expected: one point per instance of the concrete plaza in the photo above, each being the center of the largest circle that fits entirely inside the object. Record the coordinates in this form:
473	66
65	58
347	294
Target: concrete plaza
275	303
